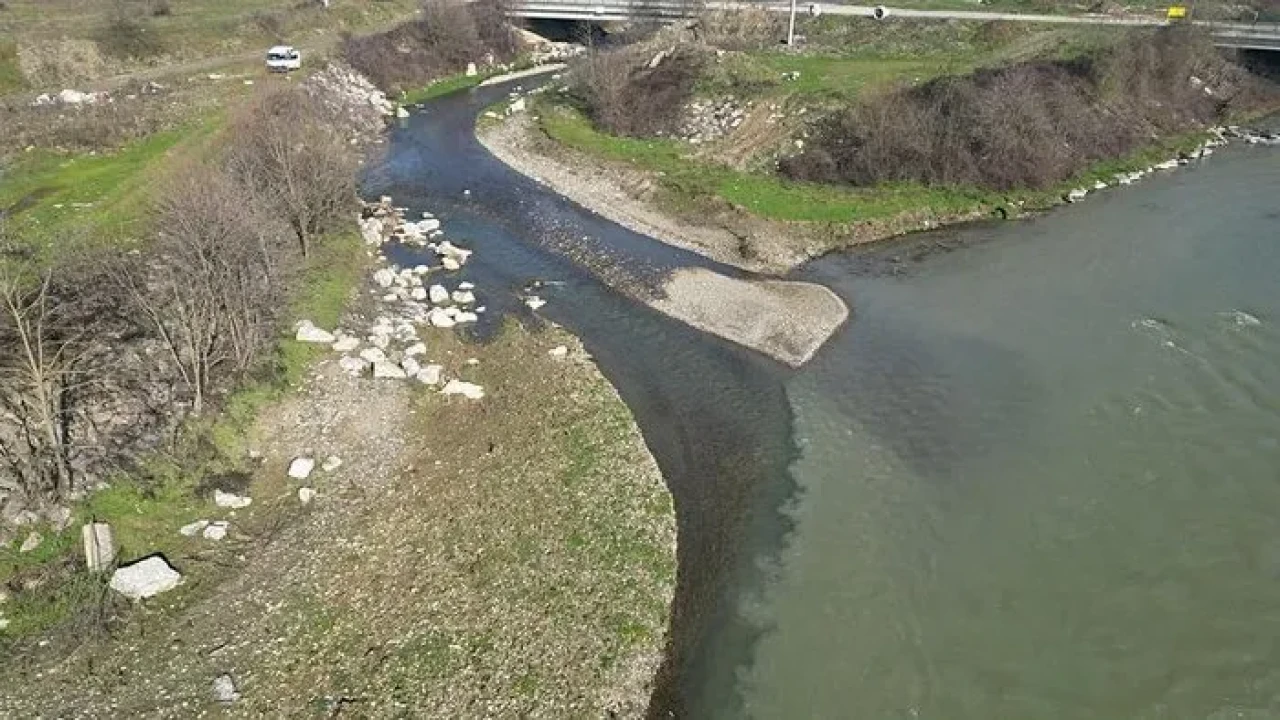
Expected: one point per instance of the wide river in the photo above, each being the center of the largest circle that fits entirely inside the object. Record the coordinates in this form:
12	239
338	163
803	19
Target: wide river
1037	475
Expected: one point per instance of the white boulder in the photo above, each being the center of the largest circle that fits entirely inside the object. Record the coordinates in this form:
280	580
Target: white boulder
401	112
301	467
346	343
143	579
386	371
384	277
410	366
309	333
471	70
231	500
430	375
464	297
215	530
353	366
465	317
559	352
418	293
373	355
439	318
193	529
416	349
224	690
451	264
306	495
438	294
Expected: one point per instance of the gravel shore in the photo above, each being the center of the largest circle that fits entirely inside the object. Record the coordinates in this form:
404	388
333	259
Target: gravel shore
788	321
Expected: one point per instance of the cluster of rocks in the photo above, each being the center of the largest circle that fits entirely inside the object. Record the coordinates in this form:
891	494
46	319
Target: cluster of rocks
71	97
1252	137
349	95
711	120
1219	136
391	347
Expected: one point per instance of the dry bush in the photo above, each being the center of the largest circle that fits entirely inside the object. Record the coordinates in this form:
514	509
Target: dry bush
61	63
625	93
741	30
298	165
445	37
95	126
56	332
1029	124
271	23
128	36
211	286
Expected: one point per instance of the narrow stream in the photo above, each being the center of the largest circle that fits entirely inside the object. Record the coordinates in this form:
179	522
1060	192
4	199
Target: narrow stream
1036	477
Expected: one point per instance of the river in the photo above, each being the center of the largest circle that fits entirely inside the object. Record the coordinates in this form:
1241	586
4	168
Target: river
1034	477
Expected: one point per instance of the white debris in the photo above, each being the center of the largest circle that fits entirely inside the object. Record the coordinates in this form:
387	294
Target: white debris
353	366
193	529
401	112
346	343
231	500
309	333
306	495
216	530
31	543
466	389
559	351
301	467
386	371
224	690
430	375
534	302
331	463
145	578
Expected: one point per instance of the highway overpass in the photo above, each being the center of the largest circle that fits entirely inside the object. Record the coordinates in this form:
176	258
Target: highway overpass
1252	36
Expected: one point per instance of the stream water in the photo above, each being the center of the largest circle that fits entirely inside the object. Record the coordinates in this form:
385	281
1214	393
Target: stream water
1034	477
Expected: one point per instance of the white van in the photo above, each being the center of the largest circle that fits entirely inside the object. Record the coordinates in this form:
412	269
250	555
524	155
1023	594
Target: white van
283	58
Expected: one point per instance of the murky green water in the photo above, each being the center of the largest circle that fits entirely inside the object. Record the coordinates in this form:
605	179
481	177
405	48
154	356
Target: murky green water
1041	475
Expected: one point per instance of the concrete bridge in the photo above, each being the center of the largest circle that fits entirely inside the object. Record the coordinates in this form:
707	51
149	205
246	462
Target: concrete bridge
1251	36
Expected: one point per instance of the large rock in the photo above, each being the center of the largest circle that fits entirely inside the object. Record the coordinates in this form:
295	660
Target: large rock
301	467
353	366
465	389
224	689
373	355
385	277
410	366
216	530
309	333
99	546
471	70
387	371
416	349
438	294
463	297
31	543
439	318
430	375
192	529
346	343
145	578
231	500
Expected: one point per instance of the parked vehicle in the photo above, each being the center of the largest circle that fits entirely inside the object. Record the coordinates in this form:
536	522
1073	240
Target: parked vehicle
283	58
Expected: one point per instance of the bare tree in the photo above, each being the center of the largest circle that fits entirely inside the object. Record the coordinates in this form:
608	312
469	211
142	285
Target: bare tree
211	287
51	356
290	157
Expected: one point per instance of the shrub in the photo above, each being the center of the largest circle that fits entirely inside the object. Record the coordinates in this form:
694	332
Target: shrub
442	41
127	37
625	92
1029	124
161	8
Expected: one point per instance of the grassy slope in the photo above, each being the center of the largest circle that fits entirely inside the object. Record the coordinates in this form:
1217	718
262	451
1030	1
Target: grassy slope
848	60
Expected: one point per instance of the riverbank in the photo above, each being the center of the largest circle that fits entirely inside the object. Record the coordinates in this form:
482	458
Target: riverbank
747	170
788	321
511	554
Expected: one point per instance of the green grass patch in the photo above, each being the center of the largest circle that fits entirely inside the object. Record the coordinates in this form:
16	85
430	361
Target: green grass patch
60	203
690	181
443	86
11	79
846	77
